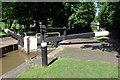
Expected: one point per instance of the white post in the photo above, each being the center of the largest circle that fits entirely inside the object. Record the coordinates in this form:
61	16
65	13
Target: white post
6	30
32	43
102	33
26	44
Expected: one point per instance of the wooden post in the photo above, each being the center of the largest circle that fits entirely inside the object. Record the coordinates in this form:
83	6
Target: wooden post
28	46
64	33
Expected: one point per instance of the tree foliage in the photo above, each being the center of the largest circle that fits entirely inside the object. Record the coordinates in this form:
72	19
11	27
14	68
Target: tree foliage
60	14
81	15
109	16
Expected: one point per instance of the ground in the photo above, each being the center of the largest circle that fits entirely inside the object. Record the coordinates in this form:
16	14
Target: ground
79	49
98	58
85	49
7	41
73	68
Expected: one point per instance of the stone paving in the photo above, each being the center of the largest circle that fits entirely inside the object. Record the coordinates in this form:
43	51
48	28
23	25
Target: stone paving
84	49
7	41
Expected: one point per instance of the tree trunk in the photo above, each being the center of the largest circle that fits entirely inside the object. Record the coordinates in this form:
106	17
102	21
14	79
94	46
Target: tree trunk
11	21
37	25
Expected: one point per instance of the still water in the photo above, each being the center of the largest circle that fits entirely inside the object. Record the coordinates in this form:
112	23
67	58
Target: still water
13	59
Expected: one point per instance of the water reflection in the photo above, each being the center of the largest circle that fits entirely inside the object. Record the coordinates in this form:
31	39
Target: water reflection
13	59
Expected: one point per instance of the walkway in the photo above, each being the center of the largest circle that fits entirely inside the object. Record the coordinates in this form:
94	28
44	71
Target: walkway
85	49
8	44
7	41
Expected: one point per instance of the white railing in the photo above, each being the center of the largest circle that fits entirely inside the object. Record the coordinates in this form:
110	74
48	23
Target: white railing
37	34
54	33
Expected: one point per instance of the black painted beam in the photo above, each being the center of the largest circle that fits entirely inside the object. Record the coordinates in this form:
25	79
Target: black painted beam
54	39
72	36
14	35
57	38
81	35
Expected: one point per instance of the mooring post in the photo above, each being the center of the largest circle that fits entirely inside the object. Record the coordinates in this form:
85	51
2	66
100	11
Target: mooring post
44	53
64	33
28	46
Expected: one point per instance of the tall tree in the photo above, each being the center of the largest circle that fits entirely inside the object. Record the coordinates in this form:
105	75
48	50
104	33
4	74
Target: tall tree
109	16
61	14
82	14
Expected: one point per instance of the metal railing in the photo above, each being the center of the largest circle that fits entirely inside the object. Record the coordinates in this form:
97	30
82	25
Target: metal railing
54	33
37	34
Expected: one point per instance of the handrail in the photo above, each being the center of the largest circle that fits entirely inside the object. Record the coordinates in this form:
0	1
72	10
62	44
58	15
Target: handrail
54	33
37	34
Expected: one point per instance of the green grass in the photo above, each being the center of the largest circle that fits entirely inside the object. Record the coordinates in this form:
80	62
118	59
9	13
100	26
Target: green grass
94	28
30	32
3	33
102	39
71	68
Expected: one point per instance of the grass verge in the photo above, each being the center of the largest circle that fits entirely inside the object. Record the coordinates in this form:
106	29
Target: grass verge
102	39
3	33
71	68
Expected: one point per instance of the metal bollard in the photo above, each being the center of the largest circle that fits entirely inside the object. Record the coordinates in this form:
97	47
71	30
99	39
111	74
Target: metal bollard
44	53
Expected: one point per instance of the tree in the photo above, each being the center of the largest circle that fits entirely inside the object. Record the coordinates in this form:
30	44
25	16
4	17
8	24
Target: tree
7	13
61	14
109	16
82	14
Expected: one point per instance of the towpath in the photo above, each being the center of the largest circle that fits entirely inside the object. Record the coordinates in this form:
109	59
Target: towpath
85	49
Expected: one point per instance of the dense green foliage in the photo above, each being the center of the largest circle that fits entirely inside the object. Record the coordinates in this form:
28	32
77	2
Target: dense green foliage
72	68
3	33
102	39
96	19
82	14
109	16
54	14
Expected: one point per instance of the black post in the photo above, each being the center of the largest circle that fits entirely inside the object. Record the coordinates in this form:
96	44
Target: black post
42	31
44	53
21	35
28	46
64	33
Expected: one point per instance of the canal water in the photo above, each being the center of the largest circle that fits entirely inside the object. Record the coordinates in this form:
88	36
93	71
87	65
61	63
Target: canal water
13	59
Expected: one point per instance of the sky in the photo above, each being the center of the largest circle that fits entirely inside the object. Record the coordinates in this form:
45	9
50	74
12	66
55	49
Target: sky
96	14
